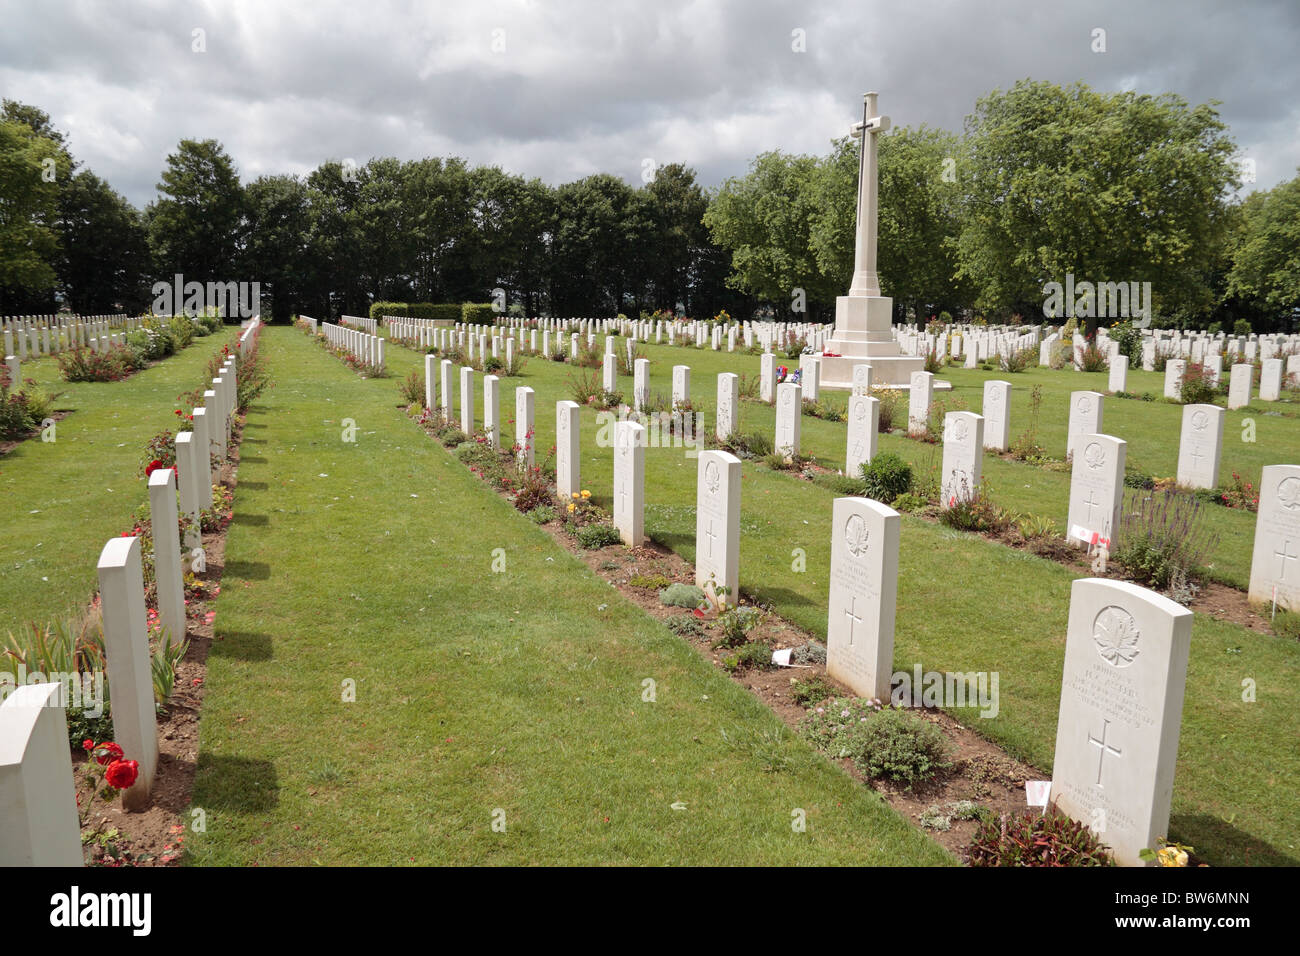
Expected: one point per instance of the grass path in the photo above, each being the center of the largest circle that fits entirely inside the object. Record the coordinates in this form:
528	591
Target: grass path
476	692
966	604
63	499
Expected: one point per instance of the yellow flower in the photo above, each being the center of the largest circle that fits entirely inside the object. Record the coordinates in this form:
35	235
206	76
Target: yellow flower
1171	856
572	507
586	494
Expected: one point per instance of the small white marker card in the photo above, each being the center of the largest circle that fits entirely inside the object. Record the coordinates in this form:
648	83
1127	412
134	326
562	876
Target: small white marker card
1036	792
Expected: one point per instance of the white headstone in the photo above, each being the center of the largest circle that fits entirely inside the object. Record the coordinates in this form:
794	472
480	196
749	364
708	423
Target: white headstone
1096	491
525	433
767	377
789	410
130	674
168	575
864	423
640	384
467	400
997	415
717	523
681	384
1200	446
609	372
728	405
1126	652
1239	382
192	476
1175	369
568	468
1270	380
492	410
863	589
963	457
629	482
38	802
1275	561
1118	374
918	402
1085	418
446	368
430	363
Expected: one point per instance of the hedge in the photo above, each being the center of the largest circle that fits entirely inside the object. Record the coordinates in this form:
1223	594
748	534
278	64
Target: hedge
476	313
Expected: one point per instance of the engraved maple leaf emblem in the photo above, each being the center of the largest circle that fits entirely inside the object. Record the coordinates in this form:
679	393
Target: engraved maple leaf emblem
1116	635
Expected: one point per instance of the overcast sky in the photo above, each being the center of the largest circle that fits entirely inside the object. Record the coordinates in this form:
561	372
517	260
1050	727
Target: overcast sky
563	89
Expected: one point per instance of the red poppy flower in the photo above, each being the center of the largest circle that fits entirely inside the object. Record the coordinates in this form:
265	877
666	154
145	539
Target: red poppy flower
121	774
111	752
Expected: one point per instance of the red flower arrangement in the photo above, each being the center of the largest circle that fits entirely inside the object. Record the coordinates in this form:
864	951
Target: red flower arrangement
121	774
118	774
153	466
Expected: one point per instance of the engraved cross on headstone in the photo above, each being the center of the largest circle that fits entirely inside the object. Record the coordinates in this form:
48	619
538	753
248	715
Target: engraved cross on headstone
1284	555
853	618
1103	748
865	280
711	536
1091	502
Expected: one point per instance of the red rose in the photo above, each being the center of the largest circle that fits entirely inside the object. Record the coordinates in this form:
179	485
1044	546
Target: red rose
122	773
109	752
87	744
152	467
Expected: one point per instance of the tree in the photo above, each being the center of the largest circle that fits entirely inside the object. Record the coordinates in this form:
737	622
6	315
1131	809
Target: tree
1266	259
278	224
33	162
765	220
1109	187
601	228
195	228
104	265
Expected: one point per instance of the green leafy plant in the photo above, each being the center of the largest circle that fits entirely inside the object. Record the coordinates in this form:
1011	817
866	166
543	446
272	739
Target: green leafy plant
412	389
735	624
1161	534
812	690
682	595
756	655
1033	839
596	536
542	514
1197	386
886	477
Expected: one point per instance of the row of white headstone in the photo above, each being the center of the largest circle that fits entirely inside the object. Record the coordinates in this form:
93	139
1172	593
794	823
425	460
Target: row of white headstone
39	823
363	346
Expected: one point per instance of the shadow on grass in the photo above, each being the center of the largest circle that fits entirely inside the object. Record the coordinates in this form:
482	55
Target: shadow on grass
243	517
236	784
247	570
251	459
241	646
785	596
254	486
1211	836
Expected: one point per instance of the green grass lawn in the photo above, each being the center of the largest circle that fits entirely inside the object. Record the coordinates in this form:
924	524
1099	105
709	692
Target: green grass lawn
64	499
965	604
476	692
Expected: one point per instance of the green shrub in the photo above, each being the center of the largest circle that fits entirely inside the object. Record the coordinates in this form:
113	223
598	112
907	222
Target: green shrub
757	655
749	445
902	747
649	582
1197	387
682	595
1241	327
1033	839
685	626
412	389
886	477
478	313
940	818
449	312
83	365
810	653
736	623
596	536
1162	537
1017	360
1129	340
811	691
542	514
